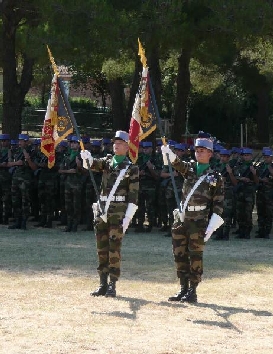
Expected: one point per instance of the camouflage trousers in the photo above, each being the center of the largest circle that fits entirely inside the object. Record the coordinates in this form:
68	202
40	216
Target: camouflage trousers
20	193
162	203
72	195
264	203
146	203
228	209
47	193
109	237
188	246
5	198
244	208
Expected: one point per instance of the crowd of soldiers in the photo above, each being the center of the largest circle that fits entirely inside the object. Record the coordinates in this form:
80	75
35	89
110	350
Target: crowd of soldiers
66	192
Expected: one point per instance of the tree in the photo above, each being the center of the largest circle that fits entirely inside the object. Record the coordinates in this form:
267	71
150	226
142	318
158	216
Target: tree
16	62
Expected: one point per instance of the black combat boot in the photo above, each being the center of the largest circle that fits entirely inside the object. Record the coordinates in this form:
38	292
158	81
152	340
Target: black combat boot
247	232
111	290
164	227
219	234
191	295
226	234
149	227
183	290
260	233
139	229
242	232
101	291
74	227
69	227
16	225
24	224
42	221
63	219
48	224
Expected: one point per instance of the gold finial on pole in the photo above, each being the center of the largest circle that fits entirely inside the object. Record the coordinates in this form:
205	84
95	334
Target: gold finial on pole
141	53
55	68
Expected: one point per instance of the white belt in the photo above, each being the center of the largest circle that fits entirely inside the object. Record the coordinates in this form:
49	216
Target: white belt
196	208
115	198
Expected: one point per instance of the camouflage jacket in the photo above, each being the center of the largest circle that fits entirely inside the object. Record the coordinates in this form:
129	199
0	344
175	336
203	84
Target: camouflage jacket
23	171
128	186
263	173
209	193
243	170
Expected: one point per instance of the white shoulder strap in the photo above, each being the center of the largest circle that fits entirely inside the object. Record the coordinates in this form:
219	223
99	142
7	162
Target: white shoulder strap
197	183
114	188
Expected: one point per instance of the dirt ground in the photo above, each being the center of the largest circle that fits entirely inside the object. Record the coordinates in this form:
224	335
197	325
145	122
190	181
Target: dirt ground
46	277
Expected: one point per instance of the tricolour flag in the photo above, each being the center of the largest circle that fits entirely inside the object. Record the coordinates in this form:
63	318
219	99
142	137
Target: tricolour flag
143	121
57	124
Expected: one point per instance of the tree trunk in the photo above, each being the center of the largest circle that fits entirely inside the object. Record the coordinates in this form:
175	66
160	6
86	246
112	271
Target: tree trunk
183	89
117	96
13	92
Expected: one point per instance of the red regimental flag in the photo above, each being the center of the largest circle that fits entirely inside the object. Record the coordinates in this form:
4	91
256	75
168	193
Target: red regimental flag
47	140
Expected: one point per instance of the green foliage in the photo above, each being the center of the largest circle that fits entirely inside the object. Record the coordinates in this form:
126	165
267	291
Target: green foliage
80	103
122	67
205	79
32	101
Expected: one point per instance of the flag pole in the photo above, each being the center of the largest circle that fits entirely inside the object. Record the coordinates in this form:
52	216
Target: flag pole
74	123
164	142
143	59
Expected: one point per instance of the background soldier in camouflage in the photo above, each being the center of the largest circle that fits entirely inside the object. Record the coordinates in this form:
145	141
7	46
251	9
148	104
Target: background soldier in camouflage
246	176
5	179
71	167
225	169
22	177
47	189
264	196
148	176
61	153
123	204
191	230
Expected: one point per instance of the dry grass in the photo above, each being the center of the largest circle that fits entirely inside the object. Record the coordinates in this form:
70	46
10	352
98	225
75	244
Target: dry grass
46	277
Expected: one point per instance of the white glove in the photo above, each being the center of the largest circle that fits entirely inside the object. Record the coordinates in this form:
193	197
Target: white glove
165	149
215	222
125	223
130	212
86	156
208	233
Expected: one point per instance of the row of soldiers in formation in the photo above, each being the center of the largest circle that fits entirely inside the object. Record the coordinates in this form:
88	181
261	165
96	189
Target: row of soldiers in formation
66	191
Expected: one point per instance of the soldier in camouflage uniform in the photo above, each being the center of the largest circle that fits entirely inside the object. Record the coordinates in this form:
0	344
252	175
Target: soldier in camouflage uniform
71	167
191	228
246	176
22	167
225	169
118	203
148	176
264	196
47	188
5	179
234	160
61	153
